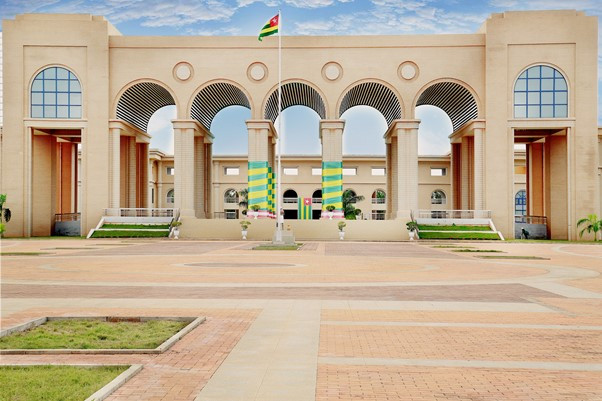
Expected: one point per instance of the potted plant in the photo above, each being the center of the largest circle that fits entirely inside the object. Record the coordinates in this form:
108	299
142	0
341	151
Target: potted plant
341	225
176	229
330	210
244	225
5	214
412	229
254	211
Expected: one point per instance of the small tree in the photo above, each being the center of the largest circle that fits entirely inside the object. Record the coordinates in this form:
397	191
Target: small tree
244	224
342	225
5	214
243	200
349	198
591	224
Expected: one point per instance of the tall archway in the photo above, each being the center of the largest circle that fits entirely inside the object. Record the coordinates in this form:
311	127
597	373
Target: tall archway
460	103
135	106
374	94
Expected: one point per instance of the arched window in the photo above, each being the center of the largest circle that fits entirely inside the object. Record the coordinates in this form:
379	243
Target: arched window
231	196
289	196
438	198
520	203
170	196
540	92
56	93
378	196
316	197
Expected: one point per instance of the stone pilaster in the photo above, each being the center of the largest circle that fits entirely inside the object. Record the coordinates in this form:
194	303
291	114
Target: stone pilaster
402	137
331	136
261	142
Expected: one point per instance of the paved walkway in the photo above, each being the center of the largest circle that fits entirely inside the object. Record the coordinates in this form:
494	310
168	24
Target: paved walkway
334	321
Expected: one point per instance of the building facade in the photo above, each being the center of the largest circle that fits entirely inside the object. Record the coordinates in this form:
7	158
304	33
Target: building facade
73	81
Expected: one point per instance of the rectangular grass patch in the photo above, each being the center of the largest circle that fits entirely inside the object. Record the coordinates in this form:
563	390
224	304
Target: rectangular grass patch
129	234
54	383
451	235
96	333
453	228
136	226
277	247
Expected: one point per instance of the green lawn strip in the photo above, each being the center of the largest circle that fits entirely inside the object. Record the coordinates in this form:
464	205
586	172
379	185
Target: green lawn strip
129	234
93	334
477	250
451	246
511	257
447	235
277	247
25	253
453	228
552	241
136	226
54	383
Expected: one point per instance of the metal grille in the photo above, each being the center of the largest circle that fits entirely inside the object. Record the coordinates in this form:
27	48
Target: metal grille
213	98
139	102
453	99
295	94
375	95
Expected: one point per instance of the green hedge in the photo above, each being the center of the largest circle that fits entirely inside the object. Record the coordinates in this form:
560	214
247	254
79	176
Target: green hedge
130	234
453	228
444	235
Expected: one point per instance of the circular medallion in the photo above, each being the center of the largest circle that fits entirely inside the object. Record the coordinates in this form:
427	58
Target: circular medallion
183	71
332	71
408	70
257	72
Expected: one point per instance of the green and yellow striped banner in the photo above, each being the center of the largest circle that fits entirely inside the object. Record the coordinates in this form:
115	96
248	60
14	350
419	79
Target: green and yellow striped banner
258	184
332	185
271	203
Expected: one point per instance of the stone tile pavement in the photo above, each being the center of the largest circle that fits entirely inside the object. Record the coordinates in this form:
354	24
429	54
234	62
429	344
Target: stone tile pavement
335	321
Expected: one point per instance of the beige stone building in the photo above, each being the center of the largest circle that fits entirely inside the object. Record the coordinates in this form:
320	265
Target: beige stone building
73	81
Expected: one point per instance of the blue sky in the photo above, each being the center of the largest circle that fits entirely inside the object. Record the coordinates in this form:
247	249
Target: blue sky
364	126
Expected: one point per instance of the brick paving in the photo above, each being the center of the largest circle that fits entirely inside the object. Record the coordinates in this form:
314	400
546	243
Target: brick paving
467	293
461	343
454	384
177	374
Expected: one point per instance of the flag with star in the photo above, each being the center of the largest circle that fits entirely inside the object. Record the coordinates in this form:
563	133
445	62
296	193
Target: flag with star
270	28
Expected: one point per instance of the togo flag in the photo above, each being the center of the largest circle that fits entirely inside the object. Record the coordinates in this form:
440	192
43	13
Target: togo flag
304	208
270	28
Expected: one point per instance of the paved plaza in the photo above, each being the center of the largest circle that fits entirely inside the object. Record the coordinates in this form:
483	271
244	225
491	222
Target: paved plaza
332	321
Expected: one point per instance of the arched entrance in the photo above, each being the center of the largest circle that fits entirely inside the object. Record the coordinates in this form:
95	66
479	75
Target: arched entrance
129	152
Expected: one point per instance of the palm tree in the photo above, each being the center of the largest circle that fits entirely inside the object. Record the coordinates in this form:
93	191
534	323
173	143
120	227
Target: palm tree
591	223
243	200
5	214
349	198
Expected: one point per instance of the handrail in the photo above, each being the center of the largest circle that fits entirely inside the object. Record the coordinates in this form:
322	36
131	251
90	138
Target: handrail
142	212
67	217
531	219
452	214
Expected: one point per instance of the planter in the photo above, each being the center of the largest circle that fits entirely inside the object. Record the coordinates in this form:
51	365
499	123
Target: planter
412	235
244	234
176	233
330	214
341	235
253	213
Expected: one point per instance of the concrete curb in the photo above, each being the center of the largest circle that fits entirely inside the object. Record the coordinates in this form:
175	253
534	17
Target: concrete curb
167	344
114	384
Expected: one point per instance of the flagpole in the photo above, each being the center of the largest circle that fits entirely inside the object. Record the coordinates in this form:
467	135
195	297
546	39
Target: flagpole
279	139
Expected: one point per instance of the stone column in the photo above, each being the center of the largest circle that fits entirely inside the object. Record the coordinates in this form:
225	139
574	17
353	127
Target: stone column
479	168
208	151
199	177
132	167
465	164
331	136
184	167
144	177
261	136
403	138
114	167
